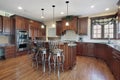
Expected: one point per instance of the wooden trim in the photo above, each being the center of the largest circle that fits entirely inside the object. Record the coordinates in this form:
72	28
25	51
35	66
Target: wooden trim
102	37
103	17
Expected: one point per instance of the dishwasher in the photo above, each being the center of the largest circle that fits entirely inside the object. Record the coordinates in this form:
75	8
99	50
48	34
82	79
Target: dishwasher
2	54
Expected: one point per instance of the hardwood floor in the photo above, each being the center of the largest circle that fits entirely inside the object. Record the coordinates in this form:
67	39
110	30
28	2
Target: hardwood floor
86	68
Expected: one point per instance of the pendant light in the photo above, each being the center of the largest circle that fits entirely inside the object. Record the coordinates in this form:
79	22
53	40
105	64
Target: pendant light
118	3
42	16
53	24
67	22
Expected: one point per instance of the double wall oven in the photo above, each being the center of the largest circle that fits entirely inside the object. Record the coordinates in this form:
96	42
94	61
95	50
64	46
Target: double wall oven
22	40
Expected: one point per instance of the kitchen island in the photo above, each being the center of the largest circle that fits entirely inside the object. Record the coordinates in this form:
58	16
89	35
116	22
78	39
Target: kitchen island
69	51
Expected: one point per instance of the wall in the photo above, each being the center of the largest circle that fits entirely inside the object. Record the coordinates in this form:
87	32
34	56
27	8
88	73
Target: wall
4	39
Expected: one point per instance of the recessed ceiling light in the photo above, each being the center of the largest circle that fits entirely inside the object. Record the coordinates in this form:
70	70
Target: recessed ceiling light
92	6
20	8
62	13
42	16
107	9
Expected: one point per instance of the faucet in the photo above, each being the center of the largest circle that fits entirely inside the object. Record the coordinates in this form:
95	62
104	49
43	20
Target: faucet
109	41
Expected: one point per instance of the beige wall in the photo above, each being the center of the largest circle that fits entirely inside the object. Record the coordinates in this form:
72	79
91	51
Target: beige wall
4	39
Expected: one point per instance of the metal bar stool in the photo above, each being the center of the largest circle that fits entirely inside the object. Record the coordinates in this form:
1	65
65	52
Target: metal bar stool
56	57
42	53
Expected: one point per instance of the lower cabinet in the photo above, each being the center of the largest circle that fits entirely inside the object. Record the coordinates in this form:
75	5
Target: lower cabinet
85	49
101	51
10	51
104	52
88	49
115	64
79	48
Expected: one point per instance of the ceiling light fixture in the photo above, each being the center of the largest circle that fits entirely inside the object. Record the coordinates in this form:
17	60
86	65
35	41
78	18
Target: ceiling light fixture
67	22
62	13
107	9
42	16
20	8
92	6
53	24
118	4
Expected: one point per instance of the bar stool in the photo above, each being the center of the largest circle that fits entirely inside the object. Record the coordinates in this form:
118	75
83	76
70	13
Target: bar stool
41	54
32	49
56	57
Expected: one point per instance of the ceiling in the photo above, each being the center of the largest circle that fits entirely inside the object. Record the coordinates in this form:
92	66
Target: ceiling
32	8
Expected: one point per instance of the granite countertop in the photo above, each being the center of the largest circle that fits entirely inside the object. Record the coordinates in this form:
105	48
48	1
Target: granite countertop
115	46
4	45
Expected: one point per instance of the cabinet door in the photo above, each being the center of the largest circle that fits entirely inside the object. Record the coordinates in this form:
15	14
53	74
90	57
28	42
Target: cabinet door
43	31
10	51
58	28
31	31
6	25
26	24
73	25
101	51
20	23
115	67
84	52
83	26
90	49
1	26
79	48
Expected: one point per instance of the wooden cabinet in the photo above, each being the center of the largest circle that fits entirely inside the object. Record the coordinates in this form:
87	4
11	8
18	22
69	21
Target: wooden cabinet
115	64
70	55
79	48
72	24
6	25
20	23
58	28
10	51
101	51
1	26
88	49
82	26
35	30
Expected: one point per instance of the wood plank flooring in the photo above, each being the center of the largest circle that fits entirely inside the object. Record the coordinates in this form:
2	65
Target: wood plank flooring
86	68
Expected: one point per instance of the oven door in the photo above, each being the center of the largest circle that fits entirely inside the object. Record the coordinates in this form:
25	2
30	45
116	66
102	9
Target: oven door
22	47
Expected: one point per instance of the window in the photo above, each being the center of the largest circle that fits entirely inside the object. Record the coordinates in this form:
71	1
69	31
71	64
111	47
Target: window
103	27
97	29
109	31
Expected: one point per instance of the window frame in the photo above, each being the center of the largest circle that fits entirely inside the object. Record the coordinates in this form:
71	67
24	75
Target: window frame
102	31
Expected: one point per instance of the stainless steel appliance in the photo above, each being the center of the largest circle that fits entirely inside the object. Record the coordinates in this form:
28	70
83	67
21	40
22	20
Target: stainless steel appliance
2	53
22	40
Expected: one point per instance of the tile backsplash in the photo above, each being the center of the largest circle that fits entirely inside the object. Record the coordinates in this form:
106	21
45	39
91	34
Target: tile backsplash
4	39
70	35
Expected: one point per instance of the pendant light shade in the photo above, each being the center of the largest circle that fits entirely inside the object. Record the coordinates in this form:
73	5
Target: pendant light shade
67	22
42	16
53	24
118	4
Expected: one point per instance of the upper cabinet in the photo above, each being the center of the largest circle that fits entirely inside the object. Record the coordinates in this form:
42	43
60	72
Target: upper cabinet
7	28
21	23
83	26
58	28
72	23
79	25
35	30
